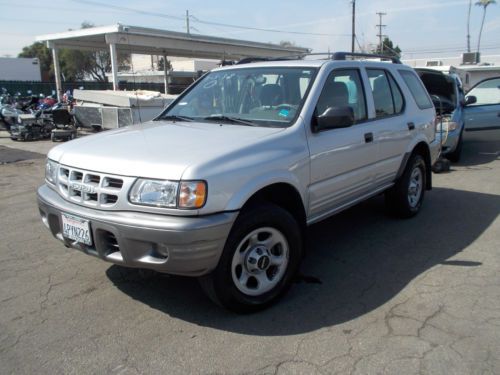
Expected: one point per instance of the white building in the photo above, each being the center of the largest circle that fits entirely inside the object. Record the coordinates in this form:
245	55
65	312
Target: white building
140	63
183	71
19	69
469	73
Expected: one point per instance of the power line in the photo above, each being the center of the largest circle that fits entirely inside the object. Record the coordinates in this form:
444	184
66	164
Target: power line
170	16
262	29
127	9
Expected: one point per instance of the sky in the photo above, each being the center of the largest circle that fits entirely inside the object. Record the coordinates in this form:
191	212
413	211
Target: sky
421	28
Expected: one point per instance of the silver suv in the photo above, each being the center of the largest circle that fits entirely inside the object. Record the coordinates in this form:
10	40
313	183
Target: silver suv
223	183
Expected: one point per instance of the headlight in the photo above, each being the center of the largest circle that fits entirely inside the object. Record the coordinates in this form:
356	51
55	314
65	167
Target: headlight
51	171
160	193
170	194
448	126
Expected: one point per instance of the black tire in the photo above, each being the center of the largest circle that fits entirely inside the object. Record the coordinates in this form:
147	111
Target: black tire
220	285
28	138
455	155
52	137
398	197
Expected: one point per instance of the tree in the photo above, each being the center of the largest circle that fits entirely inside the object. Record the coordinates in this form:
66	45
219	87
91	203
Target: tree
42	53
161	63
387	48
287	43
484	4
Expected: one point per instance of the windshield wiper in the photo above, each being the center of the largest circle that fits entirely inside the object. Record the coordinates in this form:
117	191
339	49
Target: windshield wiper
176	118
234	120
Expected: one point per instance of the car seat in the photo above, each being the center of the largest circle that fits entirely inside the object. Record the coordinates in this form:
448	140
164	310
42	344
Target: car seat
271	95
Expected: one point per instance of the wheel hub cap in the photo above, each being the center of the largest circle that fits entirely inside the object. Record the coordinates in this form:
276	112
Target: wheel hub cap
258	259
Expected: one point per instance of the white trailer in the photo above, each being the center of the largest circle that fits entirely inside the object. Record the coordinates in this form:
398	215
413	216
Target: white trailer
19	69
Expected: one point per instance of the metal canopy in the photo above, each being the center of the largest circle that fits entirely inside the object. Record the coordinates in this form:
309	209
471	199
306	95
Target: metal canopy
141	40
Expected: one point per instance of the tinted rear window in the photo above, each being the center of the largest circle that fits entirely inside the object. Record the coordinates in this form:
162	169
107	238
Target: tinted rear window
417	89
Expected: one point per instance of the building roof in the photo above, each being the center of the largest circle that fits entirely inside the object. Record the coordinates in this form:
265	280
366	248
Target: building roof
141	40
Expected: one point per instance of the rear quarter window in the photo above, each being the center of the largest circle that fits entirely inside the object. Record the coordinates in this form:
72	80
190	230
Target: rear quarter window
416	88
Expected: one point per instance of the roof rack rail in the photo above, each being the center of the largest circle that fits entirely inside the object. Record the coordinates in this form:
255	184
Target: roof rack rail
343	56
248	60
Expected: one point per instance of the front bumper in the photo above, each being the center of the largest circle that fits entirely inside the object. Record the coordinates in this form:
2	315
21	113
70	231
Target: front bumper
189	246
451	141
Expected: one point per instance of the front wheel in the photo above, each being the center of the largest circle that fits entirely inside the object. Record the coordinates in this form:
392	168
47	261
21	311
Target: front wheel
259	260
405	198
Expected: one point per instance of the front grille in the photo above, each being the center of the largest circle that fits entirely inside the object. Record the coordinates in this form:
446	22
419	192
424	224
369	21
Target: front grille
89	188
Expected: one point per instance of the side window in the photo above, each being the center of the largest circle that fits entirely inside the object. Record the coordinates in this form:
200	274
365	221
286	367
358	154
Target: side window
397	96
387	96
487	92
417	89
343	88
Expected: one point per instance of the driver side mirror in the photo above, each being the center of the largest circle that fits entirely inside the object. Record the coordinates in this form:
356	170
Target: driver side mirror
471	99
333	118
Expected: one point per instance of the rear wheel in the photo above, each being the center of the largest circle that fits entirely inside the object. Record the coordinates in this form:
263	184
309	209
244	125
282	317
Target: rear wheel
259	260
405	198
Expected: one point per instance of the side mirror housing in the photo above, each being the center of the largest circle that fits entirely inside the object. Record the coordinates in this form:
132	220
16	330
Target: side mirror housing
333	118
471	99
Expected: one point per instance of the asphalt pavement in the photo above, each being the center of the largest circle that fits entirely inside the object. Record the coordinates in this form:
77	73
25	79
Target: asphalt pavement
375	295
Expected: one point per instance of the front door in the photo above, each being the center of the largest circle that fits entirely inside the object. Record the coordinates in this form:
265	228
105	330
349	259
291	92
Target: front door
482	118
341	158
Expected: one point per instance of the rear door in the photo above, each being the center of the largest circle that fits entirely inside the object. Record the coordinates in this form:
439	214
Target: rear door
484	114
391	127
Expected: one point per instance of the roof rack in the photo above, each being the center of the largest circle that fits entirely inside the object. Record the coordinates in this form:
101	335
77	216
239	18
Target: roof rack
248	60
330	55
343	56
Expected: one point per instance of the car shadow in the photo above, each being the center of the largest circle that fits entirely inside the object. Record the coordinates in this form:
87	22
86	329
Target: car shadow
356	261
480	148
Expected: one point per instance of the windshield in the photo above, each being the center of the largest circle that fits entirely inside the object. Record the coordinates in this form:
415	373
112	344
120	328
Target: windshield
267	96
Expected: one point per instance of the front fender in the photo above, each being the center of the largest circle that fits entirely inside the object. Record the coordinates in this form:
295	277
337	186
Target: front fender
260	182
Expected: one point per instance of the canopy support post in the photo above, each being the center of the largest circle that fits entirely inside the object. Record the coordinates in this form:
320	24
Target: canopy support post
57	73
165	74
114	65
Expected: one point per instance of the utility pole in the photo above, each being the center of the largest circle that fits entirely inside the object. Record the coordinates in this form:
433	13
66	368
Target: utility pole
468	27
187	22
353	25
380	35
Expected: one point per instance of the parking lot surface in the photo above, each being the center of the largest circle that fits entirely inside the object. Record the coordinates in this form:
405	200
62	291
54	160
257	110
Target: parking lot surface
375	295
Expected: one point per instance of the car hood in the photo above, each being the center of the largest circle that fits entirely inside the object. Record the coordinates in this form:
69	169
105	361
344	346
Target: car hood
159	149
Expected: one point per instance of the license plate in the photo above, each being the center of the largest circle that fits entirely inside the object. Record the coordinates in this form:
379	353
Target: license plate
76	229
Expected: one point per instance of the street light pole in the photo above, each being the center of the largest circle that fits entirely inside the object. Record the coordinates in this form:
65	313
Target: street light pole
468	27
380	35
353	25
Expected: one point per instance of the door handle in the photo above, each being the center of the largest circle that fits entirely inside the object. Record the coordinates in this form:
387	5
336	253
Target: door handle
368	137
411	126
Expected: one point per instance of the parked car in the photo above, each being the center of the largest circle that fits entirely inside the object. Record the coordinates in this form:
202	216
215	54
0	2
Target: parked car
223	183
447	93
482	112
